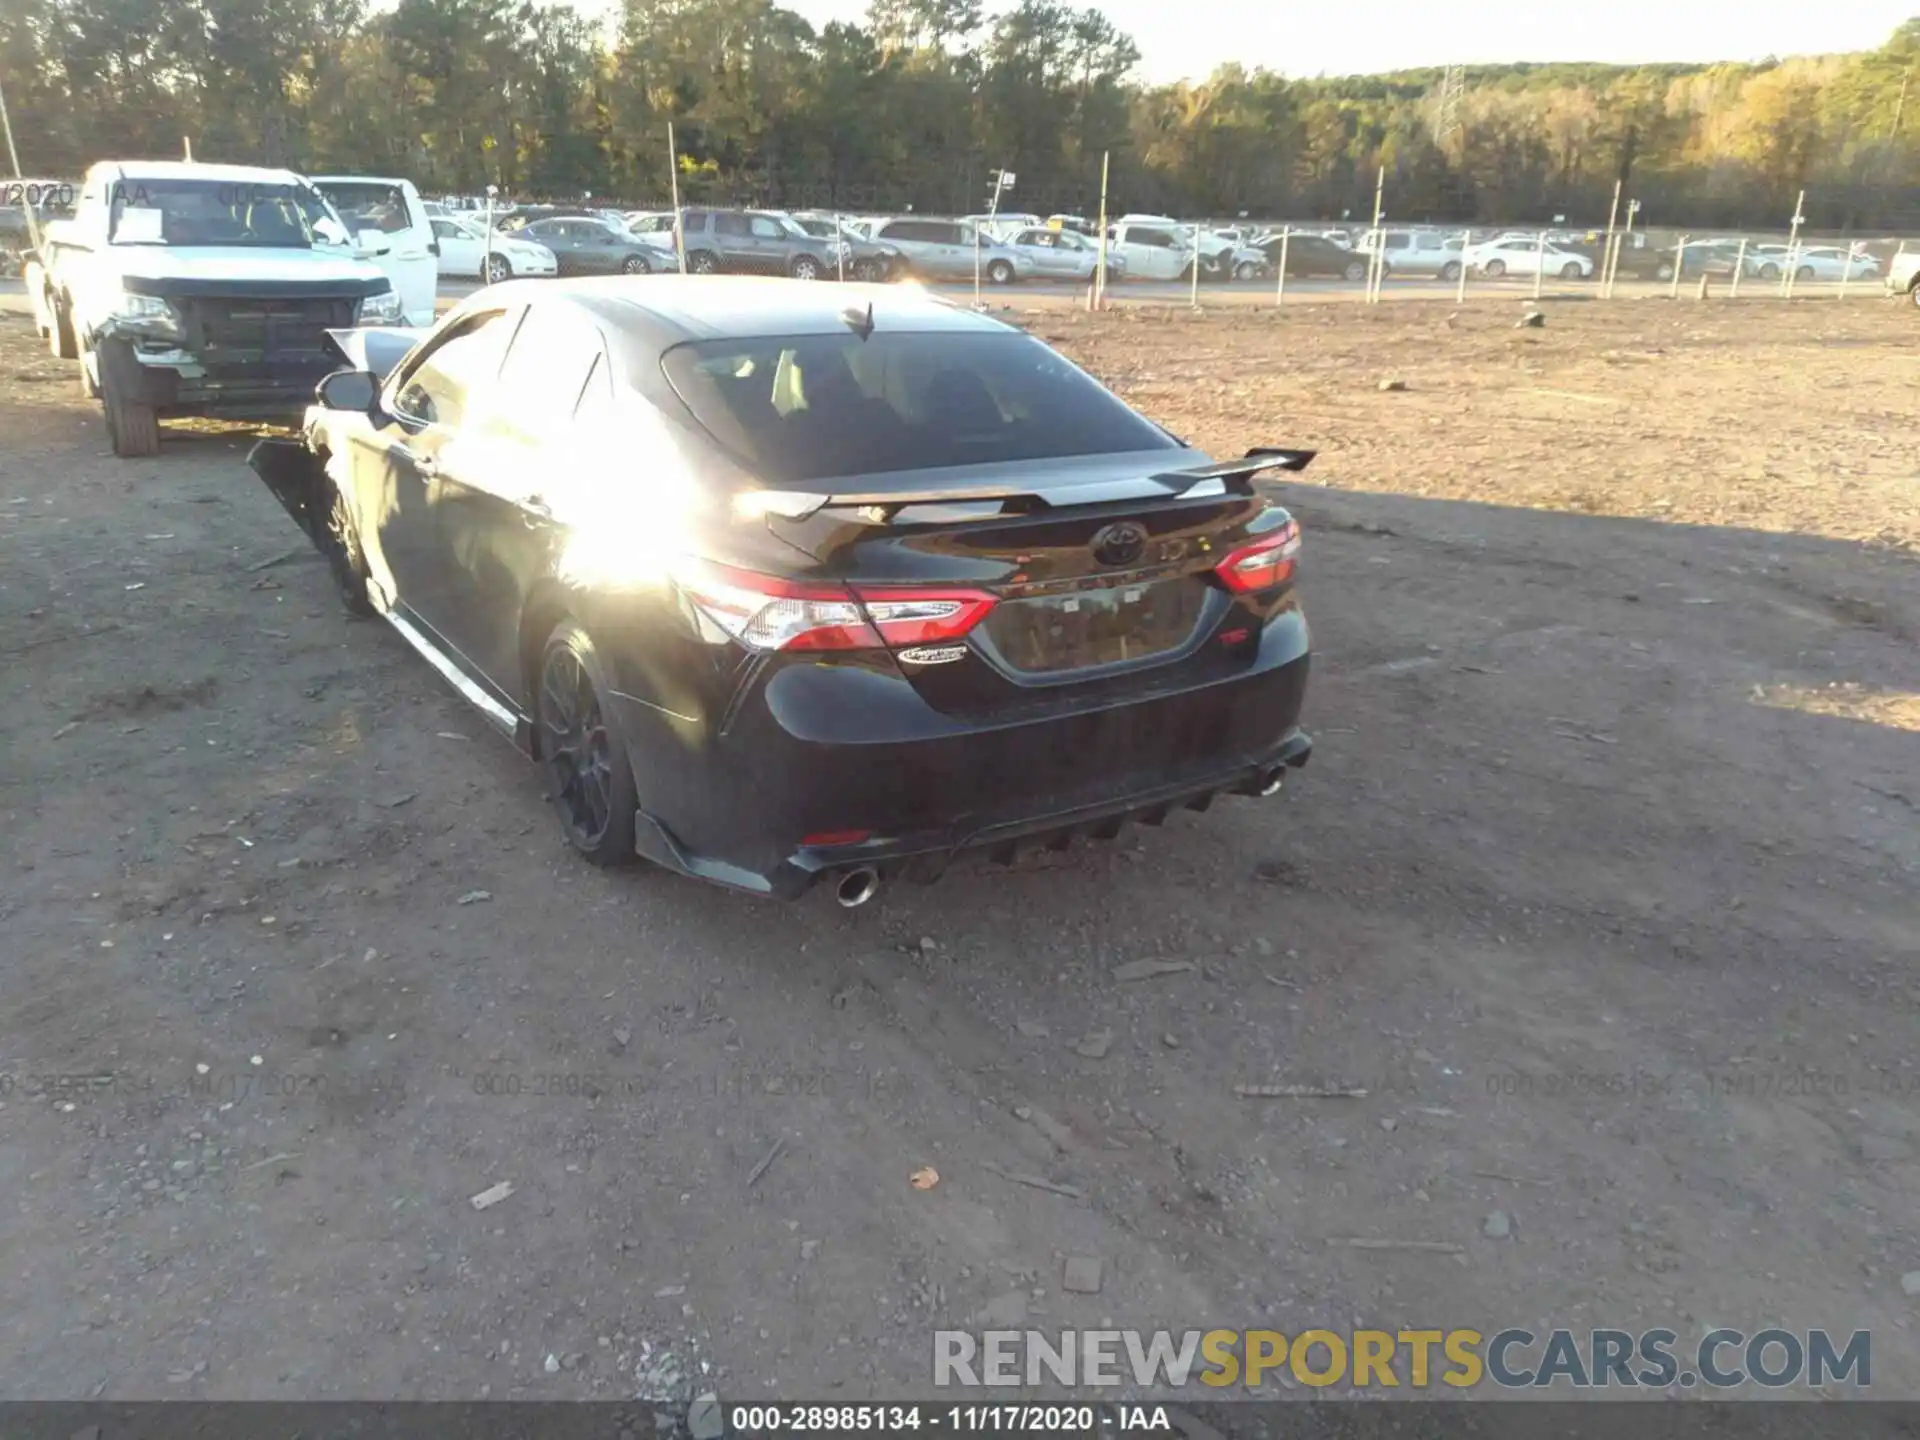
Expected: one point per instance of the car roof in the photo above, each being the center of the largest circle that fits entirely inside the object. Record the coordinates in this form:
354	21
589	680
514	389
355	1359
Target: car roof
358	180
656	312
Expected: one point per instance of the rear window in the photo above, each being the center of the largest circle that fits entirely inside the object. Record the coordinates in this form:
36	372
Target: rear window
805	408
370	207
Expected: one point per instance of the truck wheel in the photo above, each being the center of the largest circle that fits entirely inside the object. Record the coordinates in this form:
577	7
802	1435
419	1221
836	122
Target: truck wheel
1355	272
1663	271
133	427
1000	272
1913	293
61	343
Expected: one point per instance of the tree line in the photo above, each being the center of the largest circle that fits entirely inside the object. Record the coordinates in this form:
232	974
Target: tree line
917	106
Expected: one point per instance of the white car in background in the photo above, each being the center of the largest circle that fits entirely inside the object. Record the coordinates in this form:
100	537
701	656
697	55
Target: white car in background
1526	257
1063	254
1831	262
464	252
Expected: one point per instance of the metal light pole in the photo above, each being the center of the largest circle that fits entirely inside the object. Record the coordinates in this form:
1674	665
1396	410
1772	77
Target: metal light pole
1280	289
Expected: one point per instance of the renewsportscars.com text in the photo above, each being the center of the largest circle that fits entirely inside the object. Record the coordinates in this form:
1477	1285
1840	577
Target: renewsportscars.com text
1461	1359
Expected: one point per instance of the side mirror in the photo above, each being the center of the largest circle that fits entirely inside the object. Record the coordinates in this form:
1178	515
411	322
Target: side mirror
354	391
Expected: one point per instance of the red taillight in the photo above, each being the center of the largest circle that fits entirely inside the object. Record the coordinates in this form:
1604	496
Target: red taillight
1265	563
921	617
768	613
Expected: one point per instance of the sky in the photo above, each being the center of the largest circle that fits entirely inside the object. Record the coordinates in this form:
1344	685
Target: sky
1187	38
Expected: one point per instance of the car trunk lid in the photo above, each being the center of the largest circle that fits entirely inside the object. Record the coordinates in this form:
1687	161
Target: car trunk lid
1103	571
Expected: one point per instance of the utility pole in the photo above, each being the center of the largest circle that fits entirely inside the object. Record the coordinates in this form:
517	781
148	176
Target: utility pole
1900	105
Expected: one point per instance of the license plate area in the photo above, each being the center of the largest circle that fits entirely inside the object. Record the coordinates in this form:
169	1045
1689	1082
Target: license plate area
1097	629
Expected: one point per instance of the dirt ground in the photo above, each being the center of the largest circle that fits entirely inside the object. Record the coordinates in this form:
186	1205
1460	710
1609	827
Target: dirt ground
1601	884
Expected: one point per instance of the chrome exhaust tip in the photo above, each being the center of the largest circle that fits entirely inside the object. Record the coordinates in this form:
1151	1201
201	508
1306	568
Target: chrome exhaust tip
1271	785
856	887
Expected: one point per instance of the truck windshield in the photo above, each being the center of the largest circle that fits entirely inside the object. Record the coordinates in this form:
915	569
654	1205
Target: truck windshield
179	211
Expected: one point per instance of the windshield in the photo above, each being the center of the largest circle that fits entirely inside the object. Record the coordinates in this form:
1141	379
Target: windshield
175	211
805	408
369	206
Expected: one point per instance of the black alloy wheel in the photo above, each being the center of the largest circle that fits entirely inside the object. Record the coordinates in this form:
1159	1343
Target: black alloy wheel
589	780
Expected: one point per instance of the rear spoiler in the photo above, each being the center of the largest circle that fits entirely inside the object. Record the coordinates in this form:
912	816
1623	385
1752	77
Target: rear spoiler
883	505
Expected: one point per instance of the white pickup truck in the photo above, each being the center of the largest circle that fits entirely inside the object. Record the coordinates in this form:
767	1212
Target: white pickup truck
1903	275
192	289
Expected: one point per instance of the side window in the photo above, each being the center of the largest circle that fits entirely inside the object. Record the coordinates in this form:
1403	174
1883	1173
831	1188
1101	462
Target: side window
545	368
766	228
1159	239
697	221
897	230
730	225
438	389
447	230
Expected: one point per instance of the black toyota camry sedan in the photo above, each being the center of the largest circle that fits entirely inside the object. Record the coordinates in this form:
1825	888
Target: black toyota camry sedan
781	583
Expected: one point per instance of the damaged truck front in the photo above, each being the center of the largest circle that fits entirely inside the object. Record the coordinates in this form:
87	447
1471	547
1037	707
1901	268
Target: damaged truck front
189	289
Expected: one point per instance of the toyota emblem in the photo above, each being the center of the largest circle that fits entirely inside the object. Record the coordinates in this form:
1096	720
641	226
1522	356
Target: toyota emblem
1120	544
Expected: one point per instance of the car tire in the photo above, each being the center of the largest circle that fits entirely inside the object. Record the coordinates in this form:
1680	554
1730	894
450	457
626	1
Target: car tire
868	271
703	262
1769	271
1494	269
1805	272
346	561
1355	272
1246	270
1450	271
1571	271
635	265
805	267
132	426
589	777
1913	293
1000	272
62	344
496	269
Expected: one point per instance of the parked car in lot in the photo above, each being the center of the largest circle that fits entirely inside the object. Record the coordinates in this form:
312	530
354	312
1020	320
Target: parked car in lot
390	222
1527	257
901	581
949	250
194	289
1832	262
588	245
467	252
1152	250
1063	254
1416	252
866	260
756	242
1311	256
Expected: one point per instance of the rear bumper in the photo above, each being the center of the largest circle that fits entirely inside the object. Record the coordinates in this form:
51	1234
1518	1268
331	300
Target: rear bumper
842	750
